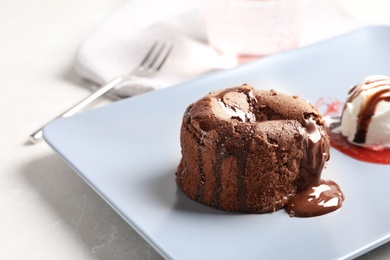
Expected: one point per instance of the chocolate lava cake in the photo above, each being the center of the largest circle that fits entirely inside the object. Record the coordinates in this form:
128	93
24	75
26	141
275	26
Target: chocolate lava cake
247	150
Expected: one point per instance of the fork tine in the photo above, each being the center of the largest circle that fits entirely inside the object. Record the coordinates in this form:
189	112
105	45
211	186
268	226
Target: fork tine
148	64
165	58
143	62
157	55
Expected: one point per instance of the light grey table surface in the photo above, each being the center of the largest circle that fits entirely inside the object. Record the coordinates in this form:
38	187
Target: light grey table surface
48	211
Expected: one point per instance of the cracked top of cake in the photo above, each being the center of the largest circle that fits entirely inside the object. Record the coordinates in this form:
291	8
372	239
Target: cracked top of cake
245	104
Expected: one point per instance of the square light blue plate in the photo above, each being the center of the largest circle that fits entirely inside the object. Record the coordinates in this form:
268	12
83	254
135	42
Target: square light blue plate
128	152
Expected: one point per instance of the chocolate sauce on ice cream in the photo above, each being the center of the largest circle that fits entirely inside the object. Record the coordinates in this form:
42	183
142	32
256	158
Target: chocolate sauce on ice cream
364	130
365	119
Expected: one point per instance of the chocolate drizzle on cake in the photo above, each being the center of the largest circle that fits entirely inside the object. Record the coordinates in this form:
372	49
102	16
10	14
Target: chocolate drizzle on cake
219	152
252	151
240	156
199	193
242	112
242	203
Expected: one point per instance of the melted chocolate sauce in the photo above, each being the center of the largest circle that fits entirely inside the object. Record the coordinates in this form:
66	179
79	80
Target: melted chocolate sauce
315	196
316	153
316	200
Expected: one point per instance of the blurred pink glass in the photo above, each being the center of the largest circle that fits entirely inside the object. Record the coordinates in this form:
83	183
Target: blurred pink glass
253	28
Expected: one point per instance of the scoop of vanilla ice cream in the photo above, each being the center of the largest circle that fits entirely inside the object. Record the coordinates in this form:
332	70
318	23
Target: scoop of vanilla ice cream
365	120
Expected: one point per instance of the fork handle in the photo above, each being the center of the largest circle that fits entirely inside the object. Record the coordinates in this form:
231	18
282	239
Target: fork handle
37	135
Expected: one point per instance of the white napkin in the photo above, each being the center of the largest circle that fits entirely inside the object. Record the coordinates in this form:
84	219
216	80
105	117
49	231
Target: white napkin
120	42
118	45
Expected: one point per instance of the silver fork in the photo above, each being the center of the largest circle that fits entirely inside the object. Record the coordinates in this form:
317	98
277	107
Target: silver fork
149	66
